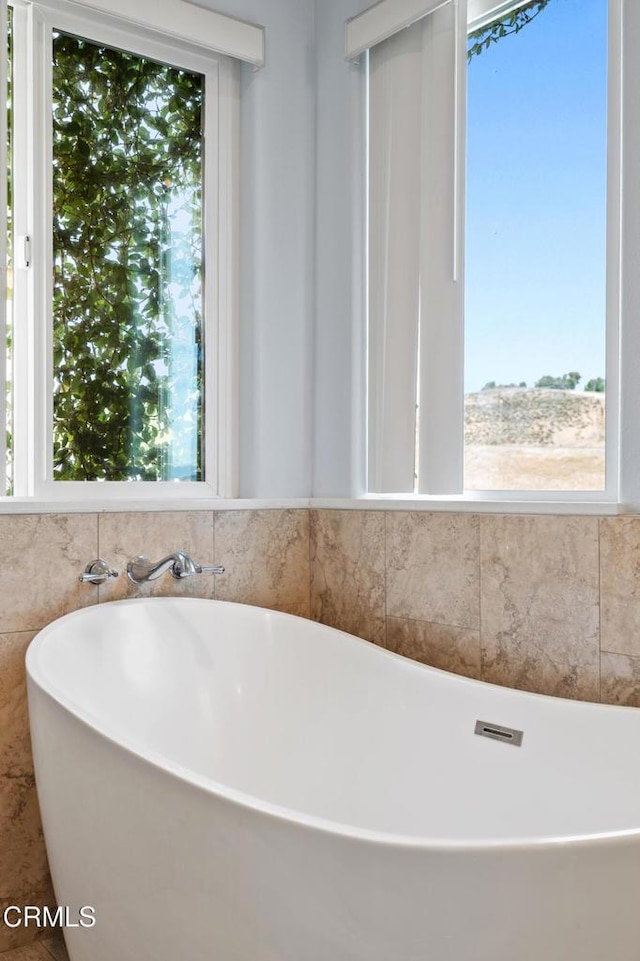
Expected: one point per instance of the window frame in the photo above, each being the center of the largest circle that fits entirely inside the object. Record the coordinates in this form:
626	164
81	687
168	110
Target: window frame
33	290
4	233
622	486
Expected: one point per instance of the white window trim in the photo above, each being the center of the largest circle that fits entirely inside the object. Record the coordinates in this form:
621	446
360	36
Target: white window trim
383	20
622	491
183	20
387	17
628	37
482	12
3	207
32	341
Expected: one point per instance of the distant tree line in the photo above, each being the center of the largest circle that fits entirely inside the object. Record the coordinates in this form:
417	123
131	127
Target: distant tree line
491	385
565	382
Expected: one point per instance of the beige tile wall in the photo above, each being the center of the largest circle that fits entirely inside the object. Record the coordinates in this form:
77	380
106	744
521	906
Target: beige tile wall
347	572
267	558
548	604
266	555
542	603
539	604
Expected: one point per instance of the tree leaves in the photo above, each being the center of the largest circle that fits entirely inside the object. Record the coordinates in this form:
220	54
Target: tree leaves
566	382
127	234
510	24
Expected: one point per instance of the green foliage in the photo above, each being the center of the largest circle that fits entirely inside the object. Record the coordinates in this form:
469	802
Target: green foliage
567	382
511	23
491	385
8	426
127	240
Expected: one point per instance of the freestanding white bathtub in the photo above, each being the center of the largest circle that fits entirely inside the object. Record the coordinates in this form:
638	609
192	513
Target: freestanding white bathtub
225	783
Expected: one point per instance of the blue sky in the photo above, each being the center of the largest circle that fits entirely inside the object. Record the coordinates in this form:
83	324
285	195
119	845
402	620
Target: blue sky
536	169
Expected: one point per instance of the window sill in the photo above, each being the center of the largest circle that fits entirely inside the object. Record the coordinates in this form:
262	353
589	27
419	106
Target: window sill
468	503
399	502
30	505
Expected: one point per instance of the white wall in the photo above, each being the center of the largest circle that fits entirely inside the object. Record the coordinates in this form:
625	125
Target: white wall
339	326
301	282
277	270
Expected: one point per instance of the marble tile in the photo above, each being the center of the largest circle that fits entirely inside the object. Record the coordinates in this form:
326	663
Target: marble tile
15	742
620	585
36	951
53	550
24	876
155	534
55	947
451	649
540	612
24	873
266	556
347	571
620	679
433	567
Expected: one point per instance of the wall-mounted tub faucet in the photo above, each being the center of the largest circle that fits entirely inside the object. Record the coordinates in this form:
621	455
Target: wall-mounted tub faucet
179	564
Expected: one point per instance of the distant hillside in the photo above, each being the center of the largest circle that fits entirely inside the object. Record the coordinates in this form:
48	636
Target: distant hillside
534	439
535	417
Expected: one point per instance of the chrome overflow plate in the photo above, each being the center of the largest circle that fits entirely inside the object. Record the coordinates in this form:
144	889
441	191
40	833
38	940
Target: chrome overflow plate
508	735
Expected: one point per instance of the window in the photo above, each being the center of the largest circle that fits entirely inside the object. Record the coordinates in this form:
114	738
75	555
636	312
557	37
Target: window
128	258
120	248
535	278
477	296
6	251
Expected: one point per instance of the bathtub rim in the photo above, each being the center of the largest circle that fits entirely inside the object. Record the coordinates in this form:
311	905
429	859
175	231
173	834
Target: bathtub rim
288	814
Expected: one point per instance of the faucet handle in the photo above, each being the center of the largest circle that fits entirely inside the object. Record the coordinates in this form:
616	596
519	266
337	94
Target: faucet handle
97	572
197	569
210	569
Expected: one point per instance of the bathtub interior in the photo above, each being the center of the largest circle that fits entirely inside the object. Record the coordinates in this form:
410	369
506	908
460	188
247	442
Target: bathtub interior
295	715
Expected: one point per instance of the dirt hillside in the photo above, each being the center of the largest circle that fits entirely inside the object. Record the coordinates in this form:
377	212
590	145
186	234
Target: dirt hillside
530	438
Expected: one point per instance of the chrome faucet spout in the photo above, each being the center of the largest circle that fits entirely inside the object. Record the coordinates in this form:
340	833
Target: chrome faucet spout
179	564
141	569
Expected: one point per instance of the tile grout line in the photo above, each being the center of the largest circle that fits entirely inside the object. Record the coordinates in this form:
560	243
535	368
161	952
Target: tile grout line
309	512
214	589
385	560
433	623
98	554
480	658
599	521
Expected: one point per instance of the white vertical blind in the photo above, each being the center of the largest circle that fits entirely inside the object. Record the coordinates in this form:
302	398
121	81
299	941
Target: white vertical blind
440	469
395	93
416	129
